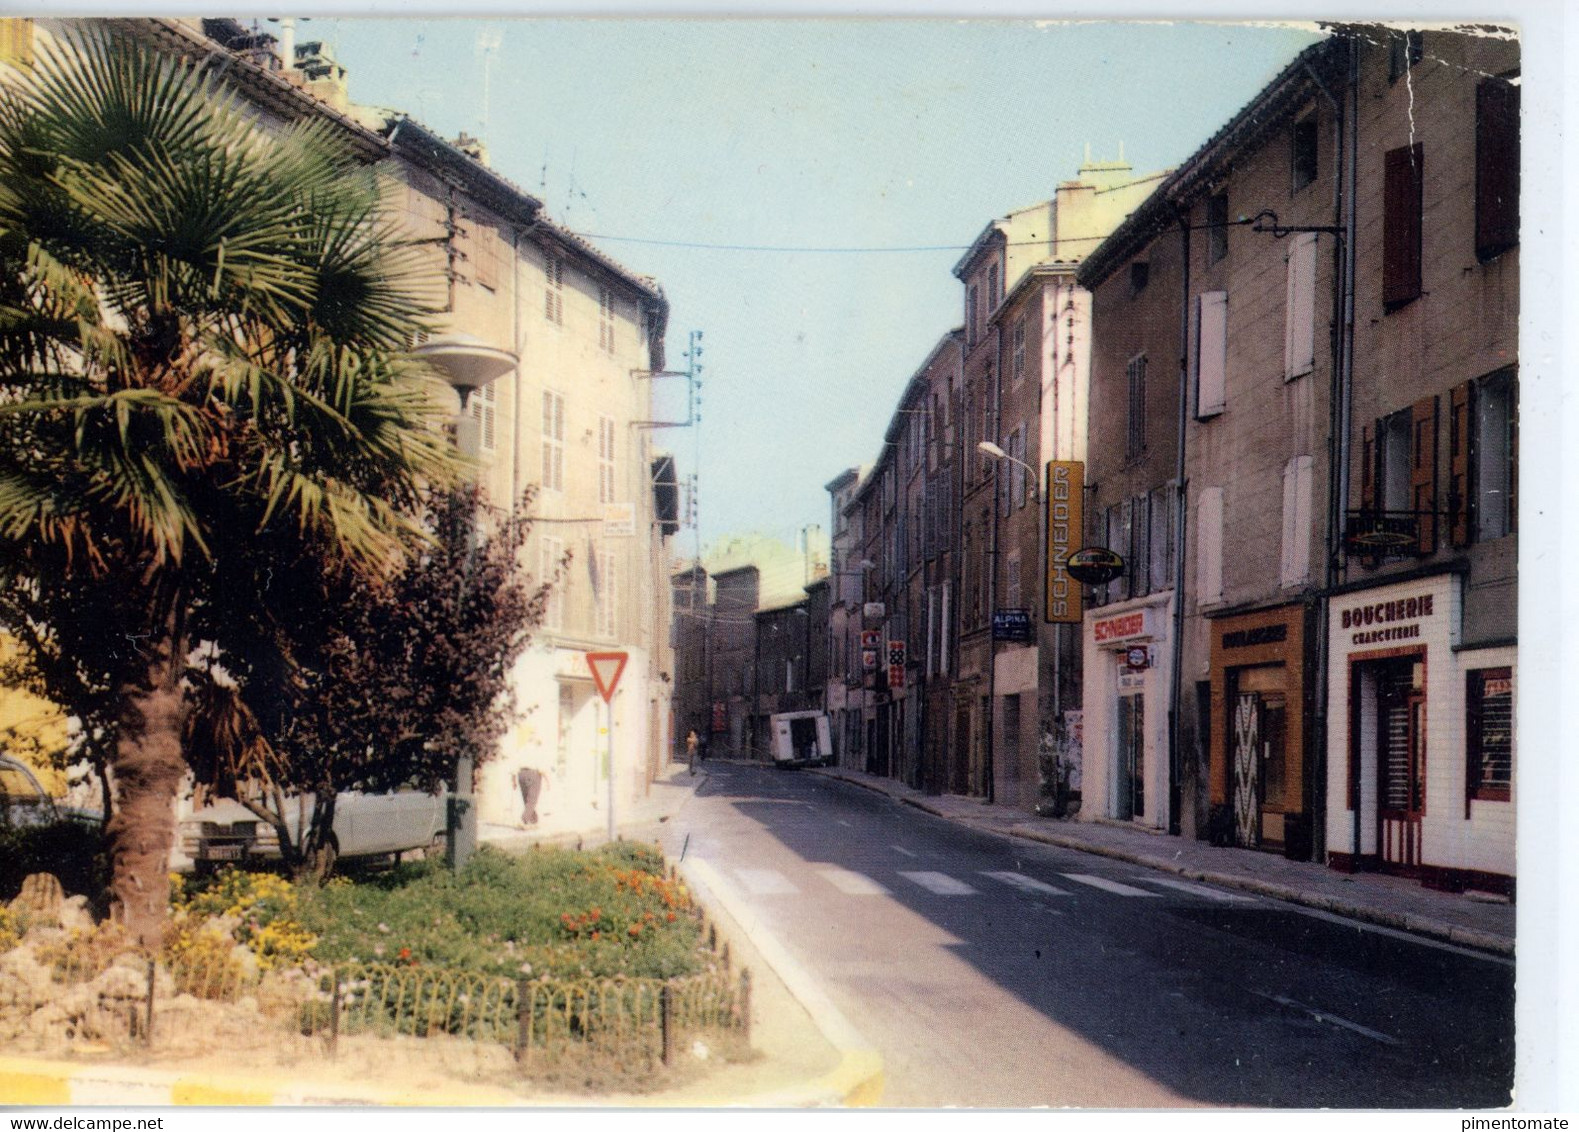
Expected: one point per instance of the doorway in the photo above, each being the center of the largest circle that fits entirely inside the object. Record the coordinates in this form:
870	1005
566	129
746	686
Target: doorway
1401	760
1130	797
1259	743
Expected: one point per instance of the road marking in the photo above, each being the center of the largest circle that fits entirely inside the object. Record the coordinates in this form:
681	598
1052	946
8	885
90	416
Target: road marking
940	884
1199	890
1106	885
766	882
852	884
1333	1019
1394	933
901	849
1026	884
842	822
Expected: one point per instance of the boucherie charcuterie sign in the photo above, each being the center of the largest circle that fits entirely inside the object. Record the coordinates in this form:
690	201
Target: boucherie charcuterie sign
1382	621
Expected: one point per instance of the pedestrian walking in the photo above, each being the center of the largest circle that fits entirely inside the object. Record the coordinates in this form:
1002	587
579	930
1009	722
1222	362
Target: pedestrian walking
690	748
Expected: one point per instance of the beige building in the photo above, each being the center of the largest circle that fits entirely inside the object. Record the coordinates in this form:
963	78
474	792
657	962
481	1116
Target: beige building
551	348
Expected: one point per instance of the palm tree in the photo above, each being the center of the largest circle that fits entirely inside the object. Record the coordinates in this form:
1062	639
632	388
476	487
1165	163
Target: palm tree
204	395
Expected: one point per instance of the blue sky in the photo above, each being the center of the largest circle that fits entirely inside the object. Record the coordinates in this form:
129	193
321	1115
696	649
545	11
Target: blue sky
687	147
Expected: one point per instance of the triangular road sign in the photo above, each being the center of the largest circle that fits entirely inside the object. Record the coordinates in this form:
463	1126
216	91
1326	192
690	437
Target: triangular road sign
606	668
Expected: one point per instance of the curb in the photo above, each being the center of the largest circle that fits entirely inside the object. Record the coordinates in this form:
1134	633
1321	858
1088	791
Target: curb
28	1083
857	1081
1414	925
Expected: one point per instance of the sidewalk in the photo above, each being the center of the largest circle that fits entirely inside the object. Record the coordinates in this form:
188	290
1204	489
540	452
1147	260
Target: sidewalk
1374	898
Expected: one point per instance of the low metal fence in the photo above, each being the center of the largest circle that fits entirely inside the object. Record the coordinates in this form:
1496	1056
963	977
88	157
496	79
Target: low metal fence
126	996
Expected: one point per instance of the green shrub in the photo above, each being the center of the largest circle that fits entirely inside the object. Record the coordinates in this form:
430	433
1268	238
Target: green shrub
558	912
73	851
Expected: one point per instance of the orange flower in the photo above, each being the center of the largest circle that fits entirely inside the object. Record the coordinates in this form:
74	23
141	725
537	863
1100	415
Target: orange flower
634	929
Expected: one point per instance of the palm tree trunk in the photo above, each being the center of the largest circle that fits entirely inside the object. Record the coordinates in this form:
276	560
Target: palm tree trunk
148	765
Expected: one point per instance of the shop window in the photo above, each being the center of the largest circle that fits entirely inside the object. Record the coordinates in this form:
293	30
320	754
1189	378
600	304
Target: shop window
1305	149
1490	729
1403	185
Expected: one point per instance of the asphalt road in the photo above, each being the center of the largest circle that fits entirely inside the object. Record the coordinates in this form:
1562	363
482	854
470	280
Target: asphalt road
995	972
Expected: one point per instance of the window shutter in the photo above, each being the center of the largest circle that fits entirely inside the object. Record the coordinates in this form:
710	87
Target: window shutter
1422	469
1368	467
1209	560
1459	417
1404	180
1496	167
1211	354
1513	457
1299	339
1297	486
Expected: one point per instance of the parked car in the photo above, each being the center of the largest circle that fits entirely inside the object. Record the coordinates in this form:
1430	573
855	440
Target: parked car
365	826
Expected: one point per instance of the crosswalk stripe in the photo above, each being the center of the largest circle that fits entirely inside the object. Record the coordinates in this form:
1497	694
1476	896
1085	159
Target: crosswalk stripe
1106	885
851	883
766	882
1026	884
1199	890
940	884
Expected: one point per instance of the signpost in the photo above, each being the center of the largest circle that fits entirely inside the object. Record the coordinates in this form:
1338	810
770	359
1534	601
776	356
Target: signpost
606	670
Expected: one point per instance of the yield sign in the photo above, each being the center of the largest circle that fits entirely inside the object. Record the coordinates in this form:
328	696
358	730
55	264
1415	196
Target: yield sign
606	668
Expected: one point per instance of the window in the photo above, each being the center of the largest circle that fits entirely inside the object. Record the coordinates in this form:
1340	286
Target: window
1139	276
1298	488
1483	454
606	320
1299	330
551	554
553	441
1304	152
1400	475
1216	227
1489	706
972	327
1017	351
1138	554
1209	560
1404	50
994	296
1135	435
485	255
1160	516
1496	167
484	406
554	289
1401	228
606	589
1211	354
606	434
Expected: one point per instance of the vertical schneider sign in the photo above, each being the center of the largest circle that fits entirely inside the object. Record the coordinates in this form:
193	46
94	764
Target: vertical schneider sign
1065	530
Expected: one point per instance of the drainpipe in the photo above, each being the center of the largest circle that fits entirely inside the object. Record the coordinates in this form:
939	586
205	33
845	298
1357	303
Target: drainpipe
1181	518
1346	373
992	577
1338	439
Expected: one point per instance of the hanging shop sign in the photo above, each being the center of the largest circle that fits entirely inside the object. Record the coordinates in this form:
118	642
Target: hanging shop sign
1381	532
1065	600
1137	656
871	639
896	664
1095	565
1011	624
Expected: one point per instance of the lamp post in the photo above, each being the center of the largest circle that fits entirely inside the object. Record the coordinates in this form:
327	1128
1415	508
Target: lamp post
993	450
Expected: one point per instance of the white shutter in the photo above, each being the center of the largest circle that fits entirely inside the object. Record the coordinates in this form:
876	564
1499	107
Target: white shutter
1211	354
1299	338
1297	487
1209	560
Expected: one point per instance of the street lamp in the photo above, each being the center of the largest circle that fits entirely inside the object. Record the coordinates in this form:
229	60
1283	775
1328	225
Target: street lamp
993	450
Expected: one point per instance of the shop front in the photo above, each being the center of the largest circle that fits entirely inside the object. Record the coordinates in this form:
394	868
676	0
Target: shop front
1421	743
1125	712
1261	780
